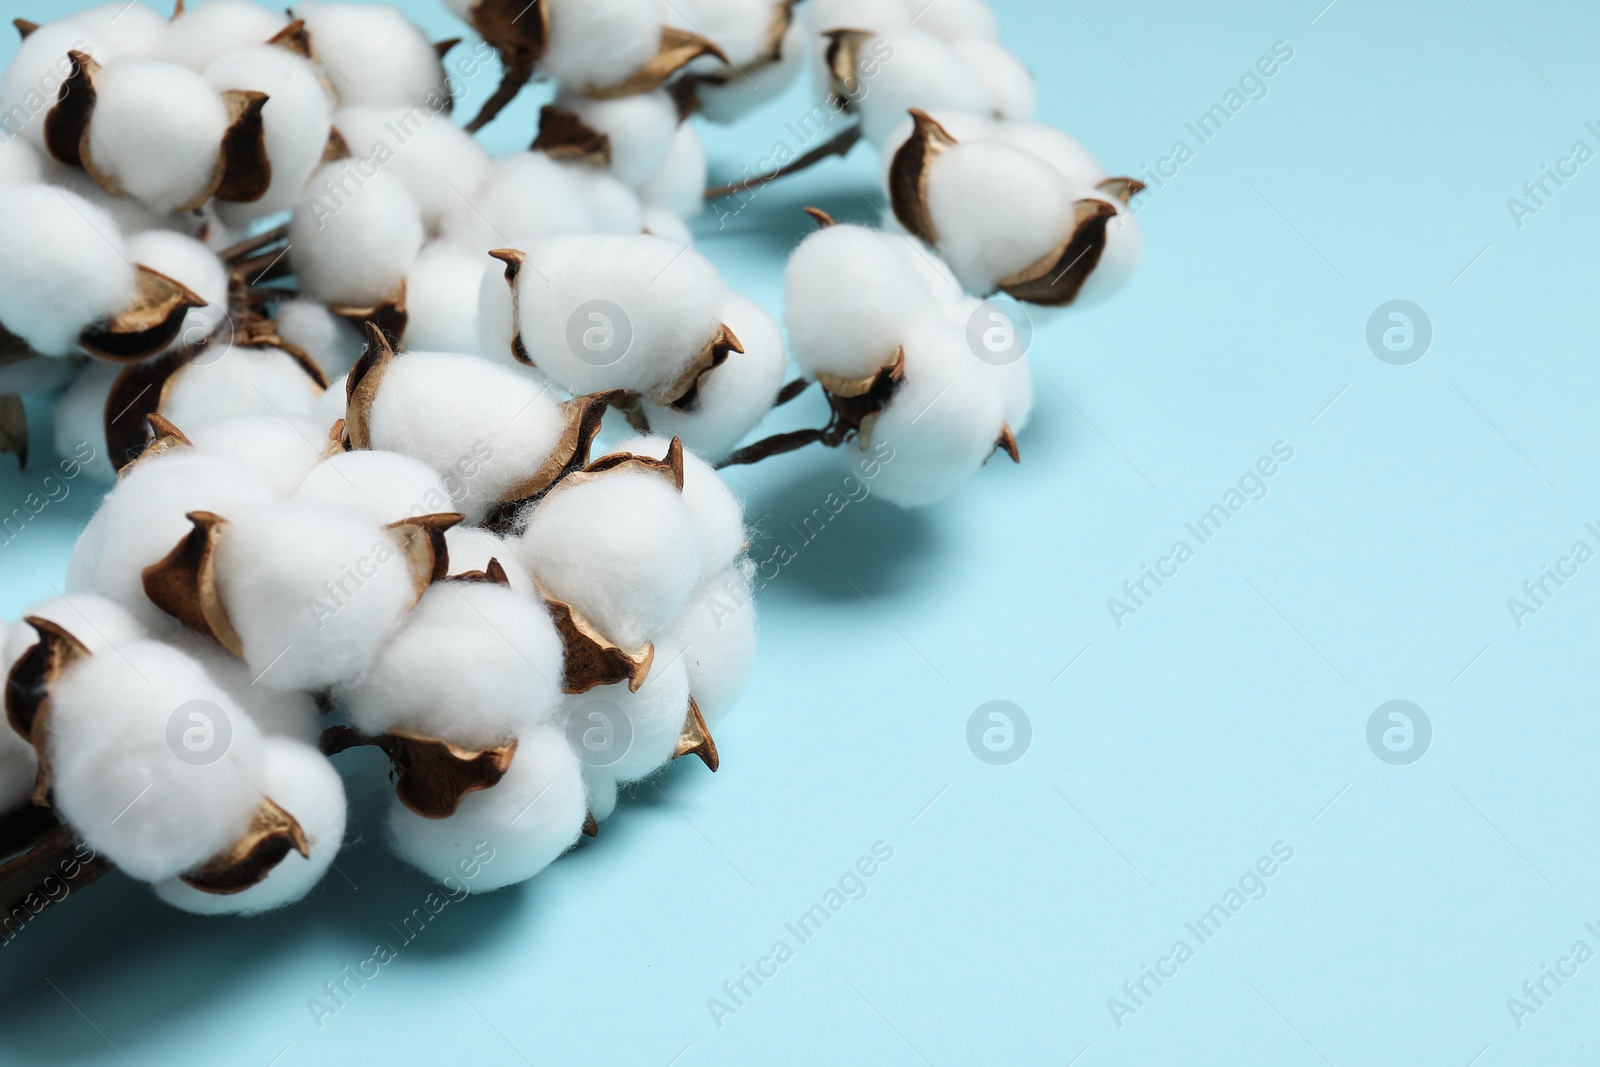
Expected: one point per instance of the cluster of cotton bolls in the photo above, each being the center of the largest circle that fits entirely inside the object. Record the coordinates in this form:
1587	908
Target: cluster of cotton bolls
440	567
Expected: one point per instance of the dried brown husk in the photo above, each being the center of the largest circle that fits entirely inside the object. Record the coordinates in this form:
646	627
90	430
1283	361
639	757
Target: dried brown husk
908	174
683	392
841	56
584	418
563	135
592	659
420	540
1124	189
164	438
361	388
493	573
1007	443
1055	279
431	775
696	738
245	168
24	27
669	466
771	54
388	314
242	171
139	391
272	835
591	828
677	50
821	218
849	388
149	324
68	118
14	429
184	583
294	38
28	692
519	32
858	401
513	259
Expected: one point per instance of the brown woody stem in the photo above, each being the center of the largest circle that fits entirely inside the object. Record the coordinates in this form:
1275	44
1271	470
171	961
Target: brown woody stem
42	866
839	146
790	391
515	76
251	245
776	445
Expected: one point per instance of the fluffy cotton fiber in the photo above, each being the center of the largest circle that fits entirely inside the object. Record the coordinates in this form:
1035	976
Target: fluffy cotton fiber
119	780
299	779
615	548
475	663
506	834
355	233
65	267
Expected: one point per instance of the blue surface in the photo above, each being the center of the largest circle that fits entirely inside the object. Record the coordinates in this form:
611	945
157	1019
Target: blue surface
1168	755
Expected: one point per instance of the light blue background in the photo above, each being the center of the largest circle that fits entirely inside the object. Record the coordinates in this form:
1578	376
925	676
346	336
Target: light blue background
1230	713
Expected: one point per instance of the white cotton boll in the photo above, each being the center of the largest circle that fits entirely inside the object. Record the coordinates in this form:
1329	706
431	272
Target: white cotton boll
1056	148
504	834
442	299
962	126
101	625
333	342
142	520
875	15
472	547
131	29
654	717
120	782
602	793
332	404
669	298
956	20
483	428
208	30
717	632
301	781
290	713
156	131
475	664
1119	259
613	207
914	68
190	264
382	487
997	210
1013	93
621	549
313	592
355	233
663	223
497	317
527	195
33	77
680	185
65	266
639	127
1015	382
294	121
851	296
278	450
19	163
734	397
744	92
738	27
130	215
258	380
80	420
940	426
374	57
598	43
716	513
438	161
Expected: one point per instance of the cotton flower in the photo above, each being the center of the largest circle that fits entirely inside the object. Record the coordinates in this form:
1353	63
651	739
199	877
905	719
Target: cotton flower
356	231
66	267
373	56
295	121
